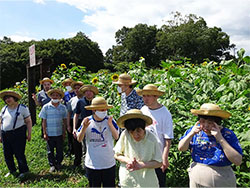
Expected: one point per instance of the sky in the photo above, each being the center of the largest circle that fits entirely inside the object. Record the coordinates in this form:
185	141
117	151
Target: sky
99	19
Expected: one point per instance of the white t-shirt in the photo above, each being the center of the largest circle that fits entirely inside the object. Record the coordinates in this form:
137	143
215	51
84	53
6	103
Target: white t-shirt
162	125
99	143
71	106
9	116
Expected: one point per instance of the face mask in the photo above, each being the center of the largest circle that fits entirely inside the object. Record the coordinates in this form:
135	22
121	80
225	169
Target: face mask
101	114
55	100
119	89
69	88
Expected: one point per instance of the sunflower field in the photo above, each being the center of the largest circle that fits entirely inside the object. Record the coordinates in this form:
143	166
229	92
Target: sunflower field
187	86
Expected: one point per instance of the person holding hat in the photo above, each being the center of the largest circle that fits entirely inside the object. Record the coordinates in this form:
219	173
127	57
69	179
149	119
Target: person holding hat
89	92
71	107
129	97
213	148
15	120
162	125
70	92
99	130
138	151
54	121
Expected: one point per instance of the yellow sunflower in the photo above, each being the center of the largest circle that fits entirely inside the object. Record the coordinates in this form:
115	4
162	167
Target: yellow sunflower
219	68
204	63
94	80
114	77
63	66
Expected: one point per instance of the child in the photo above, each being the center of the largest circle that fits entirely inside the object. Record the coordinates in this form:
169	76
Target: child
54	120
99	131
138	151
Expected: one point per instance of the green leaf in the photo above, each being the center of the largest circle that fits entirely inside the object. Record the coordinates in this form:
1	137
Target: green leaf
221	88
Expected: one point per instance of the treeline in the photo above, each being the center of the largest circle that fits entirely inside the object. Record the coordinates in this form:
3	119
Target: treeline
187	36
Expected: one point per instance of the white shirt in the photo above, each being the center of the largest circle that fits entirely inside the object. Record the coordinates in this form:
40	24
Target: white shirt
162	125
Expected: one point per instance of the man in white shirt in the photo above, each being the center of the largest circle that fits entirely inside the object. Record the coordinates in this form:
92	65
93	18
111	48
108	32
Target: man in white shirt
162	125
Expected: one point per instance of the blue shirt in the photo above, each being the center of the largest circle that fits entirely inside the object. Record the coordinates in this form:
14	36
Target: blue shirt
67	96
80	107
54	117
43	98
205	149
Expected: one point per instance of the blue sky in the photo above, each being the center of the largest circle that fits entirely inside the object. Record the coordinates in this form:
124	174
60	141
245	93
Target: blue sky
100	19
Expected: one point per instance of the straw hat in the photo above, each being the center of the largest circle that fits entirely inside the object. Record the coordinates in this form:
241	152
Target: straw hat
46	79
125	79
150	89
209	109
98	103
132	114
74	83
10	93
59	91
68	80
89	87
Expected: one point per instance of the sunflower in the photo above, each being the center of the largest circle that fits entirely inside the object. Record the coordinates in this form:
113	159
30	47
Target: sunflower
114	77
204	63
94	80
219	68
63	66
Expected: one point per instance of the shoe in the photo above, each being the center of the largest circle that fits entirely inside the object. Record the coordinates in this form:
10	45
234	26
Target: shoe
21	175
58	167
52	169
7	175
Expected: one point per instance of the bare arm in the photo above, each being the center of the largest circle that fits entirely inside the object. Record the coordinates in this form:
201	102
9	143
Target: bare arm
75	121
44	125
35	99
28	122
165	163
85	124
64	127
68	122
112	128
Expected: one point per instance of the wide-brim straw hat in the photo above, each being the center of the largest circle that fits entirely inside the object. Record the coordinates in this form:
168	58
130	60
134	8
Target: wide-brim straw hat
98	103
46	79
132	114
89	87
74	83
59	91
209	109
125	79
150	89
10	93
68	80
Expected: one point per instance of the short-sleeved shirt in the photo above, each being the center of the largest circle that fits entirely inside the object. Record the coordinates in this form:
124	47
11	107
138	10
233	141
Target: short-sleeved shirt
205	149
71	106
145	150
8	117
80	107
54	117
43	98
162	126
99	144
67	96
132	101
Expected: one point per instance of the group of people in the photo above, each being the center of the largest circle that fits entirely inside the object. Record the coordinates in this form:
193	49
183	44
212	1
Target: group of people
140	139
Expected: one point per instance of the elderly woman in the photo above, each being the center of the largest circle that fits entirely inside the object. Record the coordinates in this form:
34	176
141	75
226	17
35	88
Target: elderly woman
213	148
15	120
138	151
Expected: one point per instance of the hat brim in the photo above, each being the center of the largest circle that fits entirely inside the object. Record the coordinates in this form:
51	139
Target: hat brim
92	88
73	84
128	83
98	107
149	92
122	119
218	113
48	80
10	93
60	92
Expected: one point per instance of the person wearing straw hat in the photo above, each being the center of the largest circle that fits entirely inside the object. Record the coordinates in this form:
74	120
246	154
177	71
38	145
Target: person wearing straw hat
70	92
213	148
138	151
162	125
54	121
129	97
71	107
15	120
89	92
99	130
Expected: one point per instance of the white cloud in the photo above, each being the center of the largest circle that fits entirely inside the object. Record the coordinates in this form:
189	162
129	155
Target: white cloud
39	1
19	38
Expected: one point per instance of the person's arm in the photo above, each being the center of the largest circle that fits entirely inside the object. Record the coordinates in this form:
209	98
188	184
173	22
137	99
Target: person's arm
28	123
64	127
68	121
35	99
234	156
75	121
165	163
85	124
0	126
44	125
114	132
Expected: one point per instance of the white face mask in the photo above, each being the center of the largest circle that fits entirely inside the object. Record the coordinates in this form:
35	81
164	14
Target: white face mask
119	89
101	114
55	100
69	88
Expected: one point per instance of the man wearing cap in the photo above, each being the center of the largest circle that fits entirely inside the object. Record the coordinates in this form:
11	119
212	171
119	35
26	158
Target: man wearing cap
15	120
71	107
70	92
89	93
54	120
162	125
129	98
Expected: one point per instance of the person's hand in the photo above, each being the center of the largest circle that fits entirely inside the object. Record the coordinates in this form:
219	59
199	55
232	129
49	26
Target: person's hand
134	165
165	165
63	135
69	128
34	96
29	137
74	133
215	131
196	128
45	136
110	121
